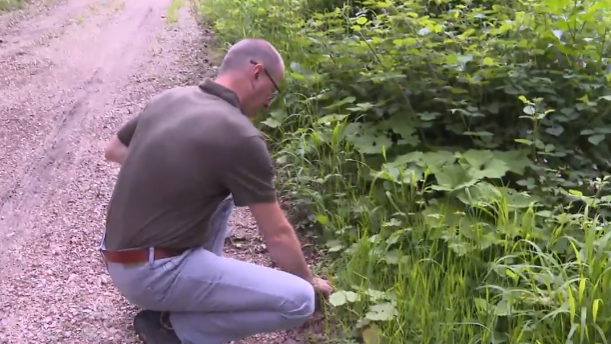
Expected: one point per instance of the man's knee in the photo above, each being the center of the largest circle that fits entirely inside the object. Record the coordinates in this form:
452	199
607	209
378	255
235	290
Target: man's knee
301	302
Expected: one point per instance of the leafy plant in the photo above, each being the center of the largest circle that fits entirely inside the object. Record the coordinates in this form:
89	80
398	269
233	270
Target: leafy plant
453	155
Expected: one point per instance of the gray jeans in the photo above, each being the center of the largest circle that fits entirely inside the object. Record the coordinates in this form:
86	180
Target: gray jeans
213	299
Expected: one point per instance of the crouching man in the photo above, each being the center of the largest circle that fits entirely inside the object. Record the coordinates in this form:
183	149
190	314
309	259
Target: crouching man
186	159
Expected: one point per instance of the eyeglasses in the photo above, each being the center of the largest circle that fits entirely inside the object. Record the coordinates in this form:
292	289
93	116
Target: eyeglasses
270	79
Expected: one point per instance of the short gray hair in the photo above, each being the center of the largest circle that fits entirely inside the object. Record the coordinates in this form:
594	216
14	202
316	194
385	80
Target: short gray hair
241	54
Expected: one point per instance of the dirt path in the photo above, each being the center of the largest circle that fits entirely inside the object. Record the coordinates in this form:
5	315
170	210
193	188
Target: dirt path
69	76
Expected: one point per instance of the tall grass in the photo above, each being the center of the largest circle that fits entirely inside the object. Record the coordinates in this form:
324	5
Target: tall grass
422	281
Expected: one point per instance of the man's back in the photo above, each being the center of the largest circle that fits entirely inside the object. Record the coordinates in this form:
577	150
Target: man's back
173	177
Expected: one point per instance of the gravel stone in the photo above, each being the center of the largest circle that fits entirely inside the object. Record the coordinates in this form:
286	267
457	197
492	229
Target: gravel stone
71	72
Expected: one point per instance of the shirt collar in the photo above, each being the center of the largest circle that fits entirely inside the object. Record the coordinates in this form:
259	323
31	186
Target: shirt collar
222	92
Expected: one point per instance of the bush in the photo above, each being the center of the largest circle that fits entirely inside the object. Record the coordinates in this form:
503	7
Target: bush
454	155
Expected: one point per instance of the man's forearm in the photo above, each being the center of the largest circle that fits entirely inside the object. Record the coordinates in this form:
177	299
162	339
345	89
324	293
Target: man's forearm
285	251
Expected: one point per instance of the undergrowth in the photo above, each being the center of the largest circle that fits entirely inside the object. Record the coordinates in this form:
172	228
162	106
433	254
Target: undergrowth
453	156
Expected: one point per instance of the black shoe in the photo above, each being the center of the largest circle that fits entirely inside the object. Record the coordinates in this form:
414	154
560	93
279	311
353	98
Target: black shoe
154	327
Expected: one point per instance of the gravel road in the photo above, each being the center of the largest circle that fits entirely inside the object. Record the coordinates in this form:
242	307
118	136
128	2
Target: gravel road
70	74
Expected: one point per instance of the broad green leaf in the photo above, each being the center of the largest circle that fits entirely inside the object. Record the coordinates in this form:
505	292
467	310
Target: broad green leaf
371	335
575	192
361	20
488	61
477	158
481	192
529	110
503	308
376	295
368	140
399	124
453	177
596	139
335	245
555	130
331	119
481	304
465	58
424	31
516	160
494	168
381	312
342	102
271	122
587	132
322	219
524	141
399	173
342	297
515	199
295	67
483	164
407	158
436	160
393	256
297	76
584	99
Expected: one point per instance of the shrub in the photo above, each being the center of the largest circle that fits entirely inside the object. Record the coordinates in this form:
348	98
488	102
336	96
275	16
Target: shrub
455	157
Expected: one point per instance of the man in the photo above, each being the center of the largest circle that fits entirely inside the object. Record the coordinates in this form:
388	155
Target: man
186	159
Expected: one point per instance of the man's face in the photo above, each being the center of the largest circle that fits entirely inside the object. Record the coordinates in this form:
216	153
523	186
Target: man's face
264	88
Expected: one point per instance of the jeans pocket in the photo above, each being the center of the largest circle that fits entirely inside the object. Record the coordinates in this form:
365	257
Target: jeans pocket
165	264
161	276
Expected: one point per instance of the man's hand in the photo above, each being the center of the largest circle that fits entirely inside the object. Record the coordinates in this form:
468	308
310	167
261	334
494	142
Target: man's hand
115	150
322	286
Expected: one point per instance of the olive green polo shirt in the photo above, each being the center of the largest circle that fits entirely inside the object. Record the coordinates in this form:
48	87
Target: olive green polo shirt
188	150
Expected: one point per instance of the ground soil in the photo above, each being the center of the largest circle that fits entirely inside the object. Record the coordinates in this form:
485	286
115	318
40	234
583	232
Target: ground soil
71	73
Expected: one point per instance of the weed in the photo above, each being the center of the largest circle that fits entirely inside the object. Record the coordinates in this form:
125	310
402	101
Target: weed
172	11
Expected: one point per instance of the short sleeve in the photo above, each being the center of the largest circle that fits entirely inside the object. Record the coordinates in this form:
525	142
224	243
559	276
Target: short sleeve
249	176
126	132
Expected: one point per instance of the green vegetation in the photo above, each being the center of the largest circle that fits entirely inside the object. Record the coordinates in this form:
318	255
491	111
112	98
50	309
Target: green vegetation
11	4
172	11
454	156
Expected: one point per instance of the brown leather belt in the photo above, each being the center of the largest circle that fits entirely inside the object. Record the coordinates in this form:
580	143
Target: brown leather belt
138	255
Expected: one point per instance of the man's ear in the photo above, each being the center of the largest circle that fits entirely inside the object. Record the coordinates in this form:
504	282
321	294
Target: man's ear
258	68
